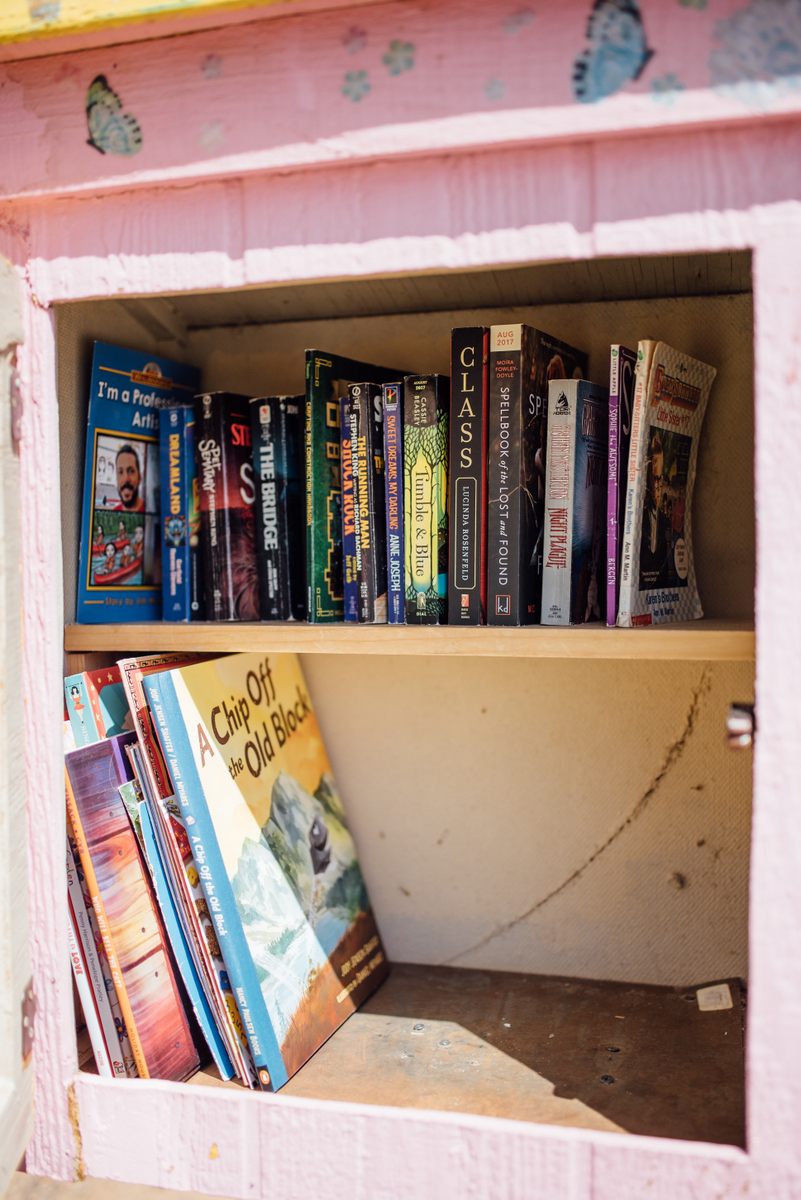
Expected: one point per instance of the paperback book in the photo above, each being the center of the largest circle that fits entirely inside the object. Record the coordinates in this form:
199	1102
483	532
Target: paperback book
366	419
576	471
277	429
393	485
119	575
425	497
279	866
658	582
350	575
621	400
96	705
467	585
182	584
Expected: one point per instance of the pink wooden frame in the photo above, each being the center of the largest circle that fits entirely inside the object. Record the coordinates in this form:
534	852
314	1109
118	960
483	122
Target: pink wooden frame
432	205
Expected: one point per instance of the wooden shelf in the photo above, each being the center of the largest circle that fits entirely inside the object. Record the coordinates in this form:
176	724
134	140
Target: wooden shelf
707	640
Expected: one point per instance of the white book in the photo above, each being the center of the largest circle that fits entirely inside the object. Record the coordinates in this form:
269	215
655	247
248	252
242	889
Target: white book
90	1014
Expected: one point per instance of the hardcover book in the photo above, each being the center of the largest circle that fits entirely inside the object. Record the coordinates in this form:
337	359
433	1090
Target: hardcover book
227	498
366	417
522	363
277	430
278	863
425	497
658	582
393	487
350	579
132	933
467	584
96	705
576	471
621	399
327	379
119	575
181	579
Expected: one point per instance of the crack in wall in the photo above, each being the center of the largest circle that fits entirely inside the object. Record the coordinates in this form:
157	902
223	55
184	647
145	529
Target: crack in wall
75	1121
672	755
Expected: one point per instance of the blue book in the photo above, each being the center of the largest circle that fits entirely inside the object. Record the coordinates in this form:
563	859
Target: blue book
393	484
180	949
349	559
182	596
119	577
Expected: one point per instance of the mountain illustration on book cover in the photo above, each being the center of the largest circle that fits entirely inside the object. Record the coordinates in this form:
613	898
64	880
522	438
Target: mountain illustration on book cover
283	872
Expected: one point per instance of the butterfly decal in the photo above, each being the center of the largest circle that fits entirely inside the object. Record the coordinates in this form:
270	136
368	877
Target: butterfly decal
617	53
111	131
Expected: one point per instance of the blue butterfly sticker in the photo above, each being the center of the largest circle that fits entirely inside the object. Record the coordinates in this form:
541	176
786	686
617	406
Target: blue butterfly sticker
617	53
111	131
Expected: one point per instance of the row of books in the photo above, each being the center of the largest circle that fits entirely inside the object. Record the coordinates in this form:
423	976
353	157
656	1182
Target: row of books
379	497
216	905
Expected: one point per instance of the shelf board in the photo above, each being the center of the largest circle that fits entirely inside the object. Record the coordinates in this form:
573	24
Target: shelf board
707	640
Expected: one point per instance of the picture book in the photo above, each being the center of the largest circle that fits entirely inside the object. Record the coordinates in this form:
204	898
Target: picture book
327	379
277	862
425	497
658	582
119	575
621	398
227	501
522	363
182	584
121	895
576	470
277	432
366	415
96	705
90	1015
467	582
393	485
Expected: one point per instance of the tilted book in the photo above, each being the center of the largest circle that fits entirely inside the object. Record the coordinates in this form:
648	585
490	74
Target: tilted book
621	400
96	705
366	417
425	497
119	576
658	570
393	486
227	499
467	584
276	860
522	363
576	469
327	379
181	581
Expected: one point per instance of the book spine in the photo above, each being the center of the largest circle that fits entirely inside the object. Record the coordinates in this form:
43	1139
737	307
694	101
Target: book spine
467	585
425	496
369	487
166	709
350	579
613	487
636	452
270	526
393	501
503	476
176	596
214	534
324	597
91	965
559	504
90	1013
97	904
291	478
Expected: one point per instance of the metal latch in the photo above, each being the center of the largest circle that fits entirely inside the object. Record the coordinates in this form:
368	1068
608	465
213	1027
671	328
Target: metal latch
740	726
28	1014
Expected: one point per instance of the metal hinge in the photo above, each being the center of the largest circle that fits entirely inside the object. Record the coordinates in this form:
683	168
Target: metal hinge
740	726
28	1014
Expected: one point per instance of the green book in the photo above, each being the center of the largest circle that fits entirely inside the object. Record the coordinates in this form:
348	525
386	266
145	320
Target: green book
327	380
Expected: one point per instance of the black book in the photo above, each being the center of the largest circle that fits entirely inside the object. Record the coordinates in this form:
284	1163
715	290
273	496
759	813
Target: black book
467	579
425	497
277	430
365	414
522	363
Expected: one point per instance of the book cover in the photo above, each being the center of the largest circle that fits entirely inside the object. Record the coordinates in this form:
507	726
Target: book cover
522	363
467	583
366	415
227	500
327	380
90	1014
277	430
621	399
658	582
132	933
96	705
181	579
350	579
278	863
119	574
393	487
573	591
425	497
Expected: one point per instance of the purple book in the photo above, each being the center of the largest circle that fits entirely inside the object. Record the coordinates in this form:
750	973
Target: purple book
621	395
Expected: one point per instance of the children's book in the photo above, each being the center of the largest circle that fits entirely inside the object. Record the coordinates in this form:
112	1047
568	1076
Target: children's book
119	576
182	584
467	583
576	470
96	705
90	1014
621	399
393	482
425	498
657	567
277	862
277	432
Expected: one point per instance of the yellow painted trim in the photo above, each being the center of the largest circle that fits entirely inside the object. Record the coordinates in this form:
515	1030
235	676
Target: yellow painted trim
27	20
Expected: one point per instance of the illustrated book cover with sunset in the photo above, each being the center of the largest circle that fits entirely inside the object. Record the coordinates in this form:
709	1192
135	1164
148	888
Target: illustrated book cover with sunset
119	577
275	857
